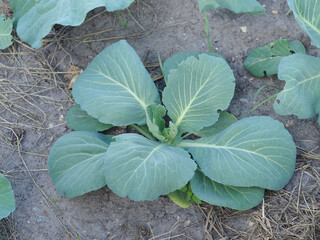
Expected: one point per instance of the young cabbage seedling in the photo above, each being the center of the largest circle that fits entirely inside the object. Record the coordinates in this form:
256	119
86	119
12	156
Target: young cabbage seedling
230	165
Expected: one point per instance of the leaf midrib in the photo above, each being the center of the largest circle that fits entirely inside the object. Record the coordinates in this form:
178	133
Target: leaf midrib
179	120
307	21
204	145
123	86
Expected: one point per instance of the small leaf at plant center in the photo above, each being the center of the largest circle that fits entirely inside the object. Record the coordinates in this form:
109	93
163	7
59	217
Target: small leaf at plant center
155	121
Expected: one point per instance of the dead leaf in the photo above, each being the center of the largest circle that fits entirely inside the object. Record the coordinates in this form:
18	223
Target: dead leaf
73	74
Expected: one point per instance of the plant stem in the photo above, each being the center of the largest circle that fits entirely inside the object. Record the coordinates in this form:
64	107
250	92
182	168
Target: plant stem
269	98
140	130
162	70
207	30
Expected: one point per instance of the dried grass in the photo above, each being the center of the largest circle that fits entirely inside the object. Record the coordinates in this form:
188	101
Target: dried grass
285	214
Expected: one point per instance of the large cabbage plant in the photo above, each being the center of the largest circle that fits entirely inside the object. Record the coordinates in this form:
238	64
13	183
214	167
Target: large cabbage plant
231	165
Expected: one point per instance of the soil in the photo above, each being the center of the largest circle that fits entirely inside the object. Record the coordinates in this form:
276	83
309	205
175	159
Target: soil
34	99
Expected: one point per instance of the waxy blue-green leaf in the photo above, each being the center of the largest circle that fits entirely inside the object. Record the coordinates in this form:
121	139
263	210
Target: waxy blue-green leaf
21	8
196	90
174	61
5	32
266	60
7	202
237	6
35	19
76	162
307	14
240	198
301	94
225	120
80	120
155	121
116	88
253	152
143	170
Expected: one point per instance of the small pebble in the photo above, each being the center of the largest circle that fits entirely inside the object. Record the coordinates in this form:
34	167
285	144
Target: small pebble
243	29
244	100
290	123
275	12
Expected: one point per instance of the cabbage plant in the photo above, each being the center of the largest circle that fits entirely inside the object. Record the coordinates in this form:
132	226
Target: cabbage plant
34	19
230	165
7	202
301	72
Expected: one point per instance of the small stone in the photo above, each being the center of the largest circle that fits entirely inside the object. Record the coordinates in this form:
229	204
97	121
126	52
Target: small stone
290	123
250	224
40	219
275	12
187	223
244	100
243	29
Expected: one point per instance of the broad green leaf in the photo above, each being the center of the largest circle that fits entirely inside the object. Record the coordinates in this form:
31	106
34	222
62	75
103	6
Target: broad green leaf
307	14
266	60
5	32
180	198
240	198
76	162
196	90
225	120
21	7
301	94
35	18
253	152
174	61
143	170
237	6
155	121
80	120
116	88
7	202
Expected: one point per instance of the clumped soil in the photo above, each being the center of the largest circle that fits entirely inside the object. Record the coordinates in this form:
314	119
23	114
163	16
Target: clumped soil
34	99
